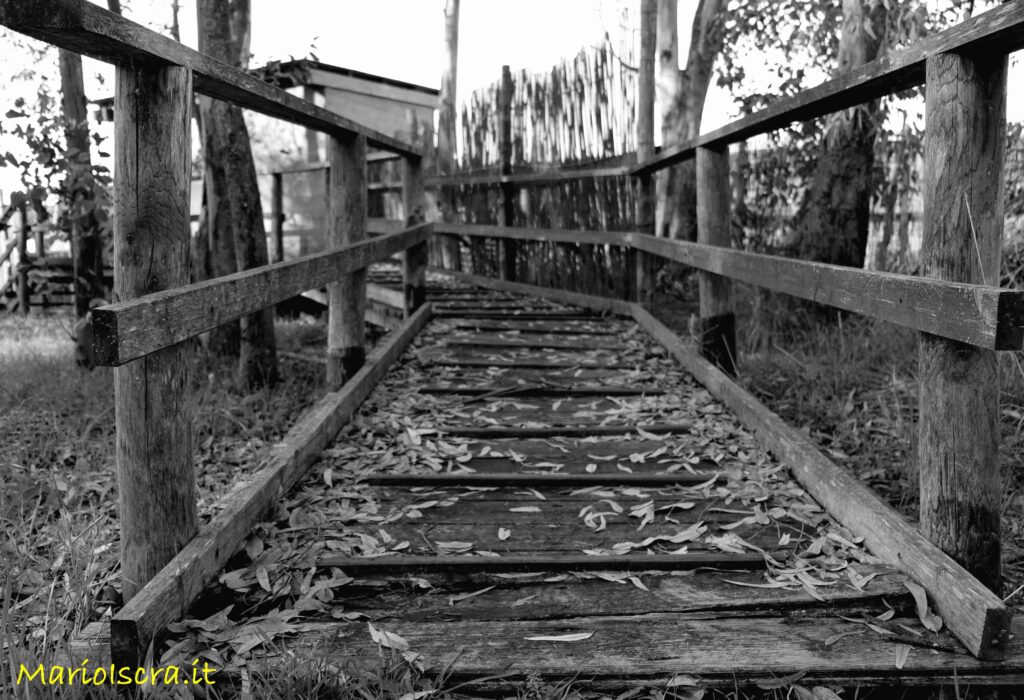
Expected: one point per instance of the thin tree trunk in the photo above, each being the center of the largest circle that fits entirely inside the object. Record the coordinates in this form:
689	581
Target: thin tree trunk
235	213
86	247
684	93
446	125
834	219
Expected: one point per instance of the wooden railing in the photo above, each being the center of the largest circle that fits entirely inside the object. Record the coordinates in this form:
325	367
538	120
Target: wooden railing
156	309
963	319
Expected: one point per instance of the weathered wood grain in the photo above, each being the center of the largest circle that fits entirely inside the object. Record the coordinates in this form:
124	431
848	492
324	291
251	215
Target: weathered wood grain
127	330
988	317
564	431
585	301
653	648
997	32
553	328
531	389
714	223
558	562
958	428
84	27
530	364
156	482
481	340
169	594
346	225
385	295
975	615
617	478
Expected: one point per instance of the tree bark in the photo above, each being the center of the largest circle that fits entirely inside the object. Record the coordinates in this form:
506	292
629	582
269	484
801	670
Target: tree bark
86	246
684	94
237	236
833	222
646	200
445	160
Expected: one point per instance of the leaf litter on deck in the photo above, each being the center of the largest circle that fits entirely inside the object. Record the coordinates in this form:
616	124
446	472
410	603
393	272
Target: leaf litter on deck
395	432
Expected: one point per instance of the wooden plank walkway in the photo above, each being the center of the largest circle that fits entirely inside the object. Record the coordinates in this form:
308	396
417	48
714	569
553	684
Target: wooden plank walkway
555	496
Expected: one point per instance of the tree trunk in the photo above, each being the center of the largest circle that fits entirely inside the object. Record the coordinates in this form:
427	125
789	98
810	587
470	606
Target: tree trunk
833	222
237	237
446	125
684	93
86	247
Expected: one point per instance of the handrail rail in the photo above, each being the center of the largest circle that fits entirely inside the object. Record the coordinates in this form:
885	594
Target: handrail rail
81	26
999	30
135	328
981	315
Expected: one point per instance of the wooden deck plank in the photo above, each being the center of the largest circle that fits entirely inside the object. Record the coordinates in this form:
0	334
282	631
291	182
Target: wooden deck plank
719	652
532	598
561	562
524	572
563	431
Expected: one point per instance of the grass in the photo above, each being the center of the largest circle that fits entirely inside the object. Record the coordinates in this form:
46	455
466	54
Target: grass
850	384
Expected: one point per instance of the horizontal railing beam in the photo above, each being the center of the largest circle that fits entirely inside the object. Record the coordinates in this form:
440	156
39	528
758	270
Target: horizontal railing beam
533	234
132	329
988	317
999	30
82	27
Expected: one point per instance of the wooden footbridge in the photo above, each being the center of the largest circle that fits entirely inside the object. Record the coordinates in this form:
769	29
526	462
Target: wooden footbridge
569	489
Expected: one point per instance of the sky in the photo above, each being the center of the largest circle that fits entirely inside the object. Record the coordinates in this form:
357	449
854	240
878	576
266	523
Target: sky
404	40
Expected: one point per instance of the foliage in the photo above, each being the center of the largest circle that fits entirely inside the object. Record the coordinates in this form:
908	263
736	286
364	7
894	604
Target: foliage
45	167
800	39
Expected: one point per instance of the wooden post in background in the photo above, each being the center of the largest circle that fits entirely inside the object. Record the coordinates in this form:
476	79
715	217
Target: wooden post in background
645	193
23	232
508	246
717	318
277	216
153	158
414	260
961	490
346	224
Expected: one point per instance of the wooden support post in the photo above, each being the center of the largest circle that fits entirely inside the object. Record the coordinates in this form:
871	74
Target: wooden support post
508	246
717	319
22	268
277	216
645	191
346	329
961	491
152	154
414	260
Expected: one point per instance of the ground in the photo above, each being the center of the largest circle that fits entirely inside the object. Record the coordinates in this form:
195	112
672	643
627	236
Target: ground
850	383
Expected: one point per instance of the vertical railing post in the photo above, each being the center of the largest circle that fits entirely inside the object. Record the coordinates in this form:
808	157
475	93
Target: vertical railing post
277	216
346	329
643	263
958	431
414	260
155	479
22	268
508	246
717	319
